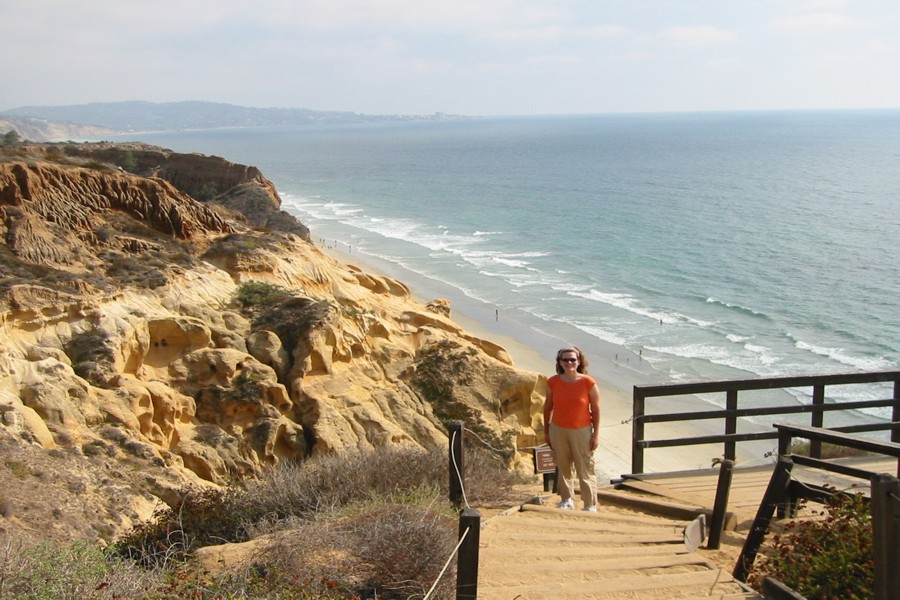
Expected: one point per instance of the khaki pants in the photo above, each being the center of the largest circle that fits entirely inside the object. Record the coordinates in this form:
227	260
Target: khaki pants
572	447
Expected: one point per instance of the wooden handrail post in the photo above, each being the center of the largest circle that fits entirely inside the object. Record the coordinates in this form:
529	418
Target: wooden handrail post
637	432
776	493
723	490
885	507
467	557
456	467
784	442
731	403
817	419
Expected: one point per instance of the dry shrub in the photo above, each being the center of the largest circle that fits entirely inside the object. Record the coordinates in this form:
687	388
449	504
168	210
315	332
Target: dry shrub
375	524
380	550
327	483
75	571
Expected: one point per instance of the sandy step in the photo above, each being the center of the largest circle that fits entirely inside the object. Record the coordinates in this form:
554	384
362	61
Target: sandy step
590	568
527	554
706	582
606	513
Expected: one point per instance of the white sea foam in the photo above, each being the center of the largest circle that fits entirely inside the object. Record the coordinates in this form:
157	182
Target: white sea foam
603	334
734	306
840	355
633	305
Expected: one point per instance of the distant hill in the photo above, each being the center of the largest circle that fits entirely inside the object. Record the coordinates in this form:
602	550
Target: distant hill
150	116
34	129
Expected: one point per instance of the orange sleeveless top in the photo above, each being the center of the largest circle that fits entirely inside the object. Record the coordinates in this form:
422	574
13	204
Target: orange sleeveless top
571	401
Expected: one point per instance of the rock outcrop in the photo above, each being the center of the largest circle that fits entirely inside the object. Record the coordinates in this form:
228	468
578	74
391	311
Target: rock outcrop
149	341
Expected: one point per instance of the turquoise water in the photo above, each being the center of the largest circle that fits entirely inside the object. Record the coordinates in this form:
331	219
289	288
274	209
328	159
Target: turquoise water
671	247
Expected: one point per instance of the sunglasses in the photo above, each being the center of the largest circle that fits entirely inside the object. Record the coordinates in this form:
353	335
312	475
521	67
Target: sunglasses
568	360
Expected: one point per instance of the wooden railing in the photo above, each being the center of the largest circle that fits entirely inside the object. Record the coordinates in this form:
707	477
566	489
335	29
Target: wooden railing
884	497
732	411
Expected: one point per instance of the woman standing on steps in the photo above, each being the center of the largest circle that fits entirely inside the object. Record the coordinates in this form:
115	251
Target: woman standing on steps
572	426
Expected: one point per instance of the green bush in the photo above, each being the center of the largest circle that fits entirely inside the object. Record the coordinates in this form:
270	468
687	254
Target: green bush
11	138
826	557
259	294
291	319
440	369
92	356
202	517
802	447
77	571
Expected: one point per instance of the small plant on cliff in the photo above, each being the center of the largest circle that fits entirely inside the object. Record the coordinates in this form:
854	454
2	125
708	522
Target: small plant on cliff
128	162
292	320
92	357
207	192
826	557
12	139
246	388
253	294
440	367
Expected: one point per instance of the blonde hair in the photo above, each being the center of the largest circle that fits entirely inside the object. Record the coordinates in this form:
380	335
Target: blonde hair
582	360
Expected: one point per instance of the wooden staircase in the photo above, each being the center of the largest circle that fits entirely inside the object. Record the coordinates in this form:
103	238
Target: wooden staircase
537	552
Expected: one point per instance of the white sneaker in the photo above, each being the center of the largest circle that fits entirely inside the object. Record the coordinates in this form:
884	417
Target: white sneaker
567	504
590	508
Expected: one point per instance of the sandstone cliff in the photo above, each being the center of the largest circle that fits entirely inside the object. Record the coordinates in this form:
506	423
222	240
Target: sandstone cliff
135	359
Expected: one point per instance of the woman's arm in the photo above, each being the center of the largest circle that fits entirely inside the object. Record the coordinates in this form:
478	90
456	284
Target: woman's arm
548	414
594	396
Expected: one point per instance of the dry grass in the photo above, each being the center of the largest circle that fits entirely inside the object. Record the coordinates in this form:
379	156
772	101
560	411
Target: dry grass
364	525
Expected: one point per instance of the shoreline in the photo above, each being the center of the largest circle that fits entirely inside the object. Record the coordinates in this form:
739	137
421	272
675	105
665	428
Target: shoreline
534	351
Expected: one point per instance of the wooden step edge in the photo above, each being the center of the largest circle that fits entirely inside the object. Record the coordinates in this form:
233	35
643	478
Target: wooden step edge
656	506
633	583
650	520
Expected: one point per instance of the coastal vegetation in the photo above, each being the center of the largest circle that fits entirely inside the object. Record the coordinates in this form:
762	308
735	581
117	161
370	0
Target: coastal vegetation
359	525
826	555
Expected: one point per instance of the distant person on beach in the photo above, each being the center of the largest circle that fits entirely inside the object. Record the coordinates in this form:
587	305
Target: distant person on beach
572	426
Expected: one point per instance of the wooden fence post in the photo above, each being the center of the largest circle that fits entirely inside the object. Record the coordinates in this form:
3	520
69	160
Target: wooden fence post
723	490
776	493
817	419
467	557
886	535
731	403
456	467
637	432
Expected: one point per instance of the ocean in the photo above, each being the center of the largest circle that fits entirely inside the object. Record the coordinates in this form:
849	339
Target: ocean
669	247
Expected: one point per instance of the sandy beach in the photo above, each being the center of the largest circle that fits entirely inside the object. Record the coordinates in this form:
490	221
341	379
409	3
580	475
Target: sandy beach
534	351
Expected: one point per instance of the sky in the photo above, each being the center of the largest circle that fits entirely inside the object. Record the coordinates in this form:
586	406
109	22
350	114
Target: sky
470	57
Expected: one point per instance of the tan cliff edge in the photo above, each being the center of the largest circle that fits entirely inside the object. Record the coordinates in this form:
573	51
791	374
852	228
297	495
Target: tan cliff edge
128	370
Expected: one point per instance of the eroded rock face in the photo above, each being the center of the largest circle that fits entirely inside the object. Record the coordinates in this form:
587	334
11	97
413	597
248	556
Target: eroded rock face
185	385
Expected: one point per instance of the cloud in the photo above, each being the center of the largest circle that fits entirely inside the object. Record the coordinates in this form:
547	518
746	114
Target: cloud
522	36
403	14
605	31
547	33
816	23
701	35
